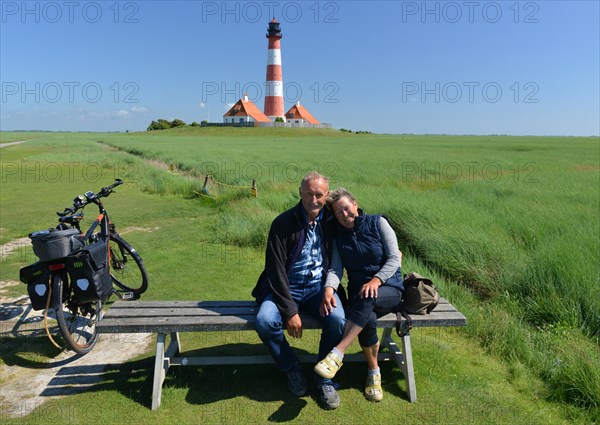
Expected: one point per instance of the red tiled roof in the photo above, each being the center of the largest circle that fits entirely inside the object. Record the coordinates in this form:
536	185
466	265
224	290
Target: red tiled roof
245	108
300	112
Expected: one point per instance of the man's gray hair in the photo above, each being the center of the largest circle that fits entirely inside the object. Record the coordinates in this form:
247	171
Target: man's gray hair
337	194
313	175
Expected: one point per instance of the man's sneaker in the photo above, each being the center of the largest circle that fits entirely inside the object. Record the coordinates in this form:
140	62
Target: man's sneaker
328	367
297	381
328	397
373	390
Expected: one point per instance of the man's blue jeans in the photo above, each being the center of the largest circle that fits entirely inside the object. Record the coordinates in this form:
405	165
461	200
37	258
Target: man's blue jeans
270	328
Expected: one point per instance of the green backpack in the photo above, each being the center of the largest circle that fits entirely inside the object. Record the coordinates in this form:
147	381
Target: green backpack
419	297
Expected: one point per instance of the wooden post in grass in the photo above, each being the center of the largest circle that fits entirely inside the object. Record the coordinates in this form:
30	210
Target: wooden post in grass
205	183
253	189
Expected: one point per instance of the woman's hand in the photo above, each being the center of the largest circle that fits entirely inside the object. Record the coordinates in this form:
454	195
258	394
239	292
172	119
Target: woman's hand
328	303
369	289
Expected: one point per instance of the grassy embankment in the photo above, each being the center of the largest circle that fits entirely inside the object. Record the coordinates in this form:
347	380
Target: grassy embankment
505	224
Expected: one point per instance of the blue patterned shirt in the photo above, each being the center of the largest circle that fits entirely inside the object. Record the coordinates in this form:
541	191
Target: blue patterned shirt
306	275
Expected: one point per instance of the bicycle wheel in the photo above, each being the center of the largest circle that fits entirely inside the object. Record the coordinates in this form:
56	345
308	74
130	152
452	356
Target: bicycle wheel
76	321
126	266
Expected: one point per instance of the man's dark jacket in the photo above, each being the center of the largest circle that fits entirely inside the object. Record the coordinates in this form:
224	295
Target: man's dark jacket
285	243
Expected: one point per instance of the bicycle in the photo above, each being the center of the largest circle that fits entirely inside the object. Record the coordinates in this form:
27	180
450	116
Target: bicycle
83	270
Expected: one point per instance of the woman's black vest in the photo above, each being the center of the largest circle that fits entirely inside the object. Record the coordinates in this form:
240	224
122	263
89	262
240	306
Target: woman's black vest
361	250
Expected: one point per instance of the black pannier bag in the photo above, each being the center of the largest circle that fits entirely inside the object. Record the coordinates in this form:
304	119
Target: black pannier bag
89	273
37	278
52	243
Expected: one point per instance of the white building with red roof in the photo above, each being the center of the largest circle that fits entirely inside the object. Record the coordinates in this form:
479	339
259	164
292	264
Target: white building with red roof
298	114
244	111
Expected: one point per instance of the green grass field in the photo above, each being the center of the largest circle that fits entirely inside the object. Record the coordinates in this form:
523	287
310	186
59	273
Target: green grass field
507	226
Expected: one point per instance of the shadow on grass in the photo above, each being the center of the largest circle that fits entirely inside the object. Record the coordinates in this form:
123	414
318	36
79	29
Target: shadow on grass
353	375
24	342
11	310
34	352
263	383
132	380
393	381
213	383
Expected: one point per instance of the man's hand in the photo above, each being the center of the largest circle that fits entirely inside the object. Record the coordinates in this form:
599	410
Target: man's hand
328	303
294	326
369	289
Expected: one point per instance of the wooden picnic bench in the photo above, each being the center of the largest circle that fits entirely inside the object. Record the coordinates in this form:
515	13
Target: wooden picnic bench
172	317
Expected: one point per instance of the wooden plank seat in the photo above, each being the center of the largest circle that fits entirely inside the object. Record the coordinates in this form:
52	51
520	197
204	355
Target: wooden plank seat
172	317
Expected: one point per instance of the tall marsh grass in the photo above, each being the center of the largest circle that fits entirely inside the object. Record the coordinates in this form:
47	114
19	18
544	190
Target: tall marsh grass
512	220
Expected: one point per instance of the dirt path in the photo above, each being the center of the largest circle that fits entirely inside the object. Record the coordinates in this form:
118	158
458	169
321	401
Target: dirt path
3	145
11	246
26	387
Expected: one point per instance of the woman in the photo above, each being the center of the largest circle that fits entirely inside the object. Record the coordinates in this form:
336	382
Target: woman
365	245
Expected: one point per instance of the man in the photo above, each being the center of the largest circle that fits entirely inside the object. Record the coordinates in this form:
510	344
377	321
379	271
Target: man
296	263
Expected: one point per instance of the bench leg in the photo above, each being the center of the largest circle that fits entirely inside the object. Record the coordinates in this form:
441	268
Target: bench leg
174	347
403	359
175	337
410	372
162	362
159	371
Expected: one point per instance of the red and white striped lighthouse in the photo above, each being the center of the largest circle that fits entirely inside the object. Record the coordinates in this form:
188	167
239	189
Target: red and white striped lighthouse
274	84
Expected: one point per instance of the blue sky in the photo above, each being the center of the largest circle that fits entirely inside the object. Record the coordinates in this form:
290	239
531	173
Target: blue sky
464	67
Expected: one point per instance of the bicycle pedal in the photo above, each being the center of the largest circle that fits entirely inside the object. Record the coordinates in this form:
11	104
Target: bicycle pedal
127	295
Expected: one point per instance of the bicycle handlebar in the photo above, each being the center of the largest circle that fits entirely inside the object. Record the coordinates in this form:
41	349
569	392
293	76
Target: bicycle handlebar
70	219
105	191
81	201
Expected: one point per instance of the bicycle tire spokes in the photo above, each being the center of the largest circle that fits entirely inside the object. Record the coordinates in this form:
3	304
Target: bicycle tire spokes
81	324
76	322
118	259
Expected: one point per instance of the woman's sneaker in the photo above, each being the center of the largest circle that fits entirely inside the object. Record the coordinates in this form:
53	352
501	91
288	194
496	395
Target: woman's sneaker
328	367
373	390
